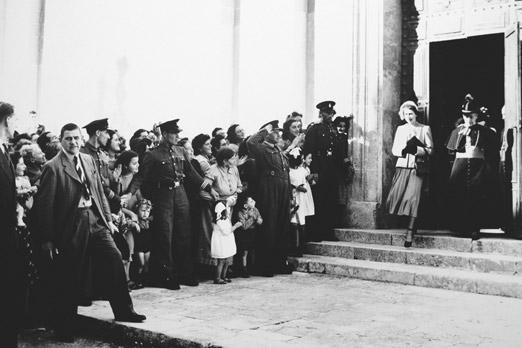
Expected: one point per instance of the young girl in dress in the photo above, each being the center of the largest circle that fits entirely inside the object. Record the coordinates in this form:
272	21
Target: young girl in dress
24	192
223	245
304	201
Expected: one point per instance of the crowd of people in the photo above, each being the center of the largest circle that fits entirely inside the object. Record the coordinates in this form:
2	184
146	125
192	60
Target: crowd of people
97	217
100	216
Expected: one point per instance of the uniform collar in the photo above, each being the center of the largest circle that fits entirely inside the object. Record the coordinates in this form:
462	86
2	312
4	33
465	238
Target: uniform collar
91	147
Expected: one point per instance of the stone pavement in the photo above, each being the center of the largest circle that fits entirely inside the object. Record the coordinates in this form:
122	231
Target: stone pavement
310	310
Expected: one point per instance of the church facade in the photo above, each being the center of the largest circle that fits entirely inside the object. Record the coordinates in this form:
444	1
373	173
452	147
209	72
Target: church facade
260	60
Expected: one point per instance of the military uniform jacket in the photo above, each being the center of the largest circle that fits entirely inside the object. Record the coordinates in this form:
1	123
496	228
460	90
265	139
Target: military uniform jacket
270	160
320	142
8	239
102	164
167	167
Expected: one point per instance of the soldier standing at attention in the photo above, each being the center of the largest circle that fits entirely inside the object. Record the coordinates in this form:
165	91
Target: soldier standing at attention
98	137
320	142
164	170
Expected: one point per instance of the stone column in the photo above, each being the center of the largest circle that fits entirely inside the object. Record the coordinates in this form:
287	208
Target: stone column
376	98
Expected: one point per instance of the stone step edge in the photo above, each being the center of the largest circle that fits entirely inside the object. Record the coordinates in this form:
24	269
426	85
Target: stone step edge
422	251
424	276
119	333
443	234
483	246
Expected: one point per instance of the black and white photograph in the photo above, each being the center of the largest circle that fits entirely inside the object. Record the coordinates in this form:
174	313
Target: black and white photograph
260	173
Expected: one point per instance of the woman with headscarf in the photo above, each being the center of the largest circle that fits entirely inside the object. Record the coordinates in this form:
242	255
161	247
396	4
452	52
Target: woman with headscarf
412	145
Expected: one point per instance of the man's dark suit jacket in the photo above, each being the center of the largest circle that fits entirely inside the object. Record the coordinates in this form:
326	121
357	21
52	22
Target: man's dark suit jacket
57	200
12	273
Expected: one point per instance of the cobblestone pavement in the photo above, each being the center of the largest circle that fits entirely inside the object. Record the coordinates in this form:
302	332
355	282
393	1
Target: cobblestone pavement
307	310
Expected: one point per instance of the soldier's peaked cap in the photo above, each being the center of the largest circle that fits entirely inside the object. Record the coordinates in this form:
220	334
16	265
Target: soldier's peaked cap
170	126
326	106
102	124
274	123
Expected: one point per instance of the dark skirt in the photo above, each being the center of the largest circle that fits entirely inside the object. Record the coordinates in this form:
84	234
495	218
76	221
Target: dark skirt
405	193
204	230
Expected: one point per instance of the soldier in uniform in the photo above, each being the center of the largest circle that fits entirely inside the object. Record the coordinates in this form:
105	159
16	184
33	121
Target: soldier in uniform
273	197
320	142
164	171
98	137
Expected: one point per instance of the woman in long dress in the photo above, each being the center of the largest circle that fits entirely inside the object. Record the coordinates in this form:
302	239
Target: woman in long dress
412	144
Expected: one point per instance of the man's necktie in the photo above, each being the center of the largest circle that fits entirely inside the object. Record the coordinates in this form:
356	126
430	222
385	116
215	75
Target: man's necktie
81	174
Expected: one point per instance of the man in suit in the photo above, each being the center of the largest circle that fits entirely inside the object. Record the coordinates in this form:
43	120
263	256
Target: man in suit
12	288
74	228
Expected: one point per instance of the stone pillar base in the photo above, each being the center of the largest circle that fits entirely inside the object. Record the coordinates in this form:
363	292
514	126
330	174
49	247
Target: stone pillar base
361	214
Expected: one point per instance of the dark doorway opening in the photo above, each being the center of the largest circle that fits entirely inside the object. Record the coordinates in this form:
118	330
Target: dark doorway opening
473	65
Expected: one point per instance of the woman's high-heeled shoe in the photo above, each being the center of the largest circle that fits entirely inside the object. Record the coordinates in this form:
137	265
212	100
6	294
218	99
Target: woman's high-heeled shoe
409	238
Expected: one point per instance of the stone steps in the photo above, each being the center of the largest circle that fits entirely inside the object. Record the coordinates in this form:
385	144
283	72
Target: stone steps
480	262
438	259
491	243
433	277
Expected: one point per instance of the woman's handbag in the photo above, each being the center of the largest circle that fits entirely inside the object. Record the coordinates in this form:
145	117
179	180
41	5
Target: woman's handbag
423	165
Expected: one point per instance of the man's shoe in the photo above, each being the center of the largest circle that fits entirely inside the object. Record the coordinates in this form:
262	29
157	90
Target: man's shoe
131	317
267	274
171	284
285	269
189	281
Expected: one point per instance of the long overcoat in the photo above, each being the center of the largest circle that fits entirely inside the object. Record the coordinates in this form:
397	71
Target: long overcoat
273	201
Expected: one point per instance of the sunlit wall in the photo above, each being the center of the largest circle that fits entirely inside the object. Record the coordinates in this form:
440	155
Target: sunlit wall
333	53
271	60
138	62
19	56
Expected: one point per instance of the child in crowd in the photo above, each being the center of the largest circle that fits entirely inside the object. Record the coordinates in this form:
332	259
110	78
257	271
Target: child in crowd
24	192
250	220
223	245
306	165
142	239
304	202
124	239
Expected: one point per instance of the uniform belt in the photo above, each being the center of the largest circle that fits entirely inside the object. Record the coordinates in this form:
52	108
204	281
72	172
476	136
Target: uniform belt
276	174
170	184
471	153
